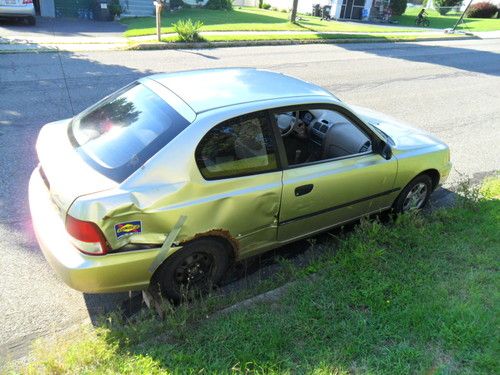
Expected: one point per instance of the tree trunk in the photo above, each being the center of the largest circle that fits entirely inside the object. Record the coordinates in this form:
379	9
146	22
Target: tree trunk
293	17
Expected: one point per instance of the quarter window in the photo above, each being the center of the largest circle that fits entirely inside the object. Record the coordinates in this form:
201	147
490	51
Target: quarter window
238	147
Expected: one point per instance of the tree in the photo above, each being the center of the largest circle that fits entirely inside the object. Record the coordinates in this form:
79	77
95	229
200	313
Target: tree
293	17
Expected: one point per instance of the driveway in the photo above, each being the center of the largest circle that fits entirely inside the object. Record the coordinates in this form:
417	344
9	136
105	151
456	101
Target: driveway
449	88
70	30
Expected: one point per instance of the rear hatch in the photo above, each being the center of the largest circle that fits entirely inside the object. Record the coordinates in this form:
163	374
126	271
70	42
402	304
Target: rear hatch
65	173
105	144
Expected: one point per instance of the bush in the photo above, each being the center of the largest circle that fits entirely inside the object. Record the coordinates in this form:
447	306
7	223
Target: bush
219	4
444	6
266	6
188	30
482	10
398	7
115	9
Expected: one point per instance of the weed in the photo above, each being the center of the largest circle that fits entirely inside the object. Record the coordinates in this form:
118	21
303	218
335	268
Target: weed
188	30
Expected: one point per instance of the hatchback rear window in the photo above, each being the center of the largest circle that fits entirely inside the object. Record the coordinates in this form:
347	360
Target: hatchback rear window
121	132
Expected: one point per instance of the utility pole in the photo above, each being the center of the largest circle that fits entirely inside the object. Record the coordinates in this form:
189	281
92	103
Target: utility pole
462	16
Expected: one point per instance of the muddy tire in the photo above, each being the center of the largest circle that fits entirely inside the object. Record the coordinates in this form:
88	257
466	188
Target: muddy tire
193	270
415	195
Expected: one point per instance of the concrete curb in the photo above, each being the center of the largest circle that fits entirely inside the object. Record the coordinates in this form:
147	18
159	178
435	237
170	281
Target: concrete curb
251	43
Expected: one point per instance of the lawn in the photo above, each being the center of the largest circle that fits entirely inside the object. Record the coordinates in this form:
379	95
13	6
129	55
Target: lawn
444	22
253	19
246	19
421	295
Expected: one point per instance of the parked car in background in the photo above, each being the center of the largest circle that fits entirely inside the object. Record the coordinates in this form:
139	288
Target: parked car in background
170	179
18	9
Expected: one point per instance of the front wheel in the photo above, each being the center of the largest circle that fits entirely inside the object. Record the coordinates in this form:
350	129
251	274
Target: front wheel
426	23
193	270
415	195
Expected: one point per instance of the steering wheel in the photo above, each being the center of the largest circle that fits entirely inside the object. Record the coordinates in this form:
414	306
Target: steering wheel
287	124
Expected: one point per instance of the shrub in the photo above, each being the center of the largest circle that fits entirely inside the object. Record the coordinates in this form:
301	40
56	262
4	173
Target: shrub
219	4
284	11
398	7
482	10
444	6
188	30
266	6
115	9
176	4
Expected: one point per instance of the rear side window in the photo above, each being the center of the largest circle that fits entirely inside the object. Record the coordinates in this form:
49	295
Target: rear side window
238	147
120	133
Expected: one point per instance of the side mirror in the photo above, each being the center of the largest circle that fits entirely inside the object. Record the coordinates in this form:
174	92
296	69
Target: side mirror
386	151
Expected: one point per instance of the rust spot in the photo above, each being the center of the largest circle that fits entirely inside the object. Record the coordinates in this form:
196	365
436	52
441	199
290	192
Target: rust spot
216	233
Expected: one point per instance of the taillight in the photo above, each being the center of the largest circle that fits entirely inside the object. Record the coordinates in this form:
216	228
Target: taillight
27	1
86	236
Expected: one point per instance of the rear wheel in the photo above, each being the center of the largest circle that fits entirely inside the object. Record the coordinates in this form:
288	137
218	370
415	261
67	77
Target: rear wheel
415	195
193	270
426	23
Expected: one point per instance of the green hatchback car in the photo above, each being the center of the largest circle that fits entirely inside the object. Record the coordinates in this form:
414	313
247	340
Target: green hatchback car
175	176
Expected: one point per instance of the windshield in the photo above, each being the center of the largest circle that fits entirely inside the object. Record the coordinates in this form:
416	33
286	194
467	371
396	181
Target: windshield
120	133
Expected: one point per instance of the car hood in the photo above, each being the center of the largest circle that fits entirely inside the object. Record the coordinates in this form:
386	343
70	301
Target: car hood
402	135
66	174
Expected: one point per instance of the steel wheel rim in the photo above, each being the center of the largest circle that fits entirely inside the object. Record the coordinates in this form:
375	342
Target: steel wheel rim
415	197
195	270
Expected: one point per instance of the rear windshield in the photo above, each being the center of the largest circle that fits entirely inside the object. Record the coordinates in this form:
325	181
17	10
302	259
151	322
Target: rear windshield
121	132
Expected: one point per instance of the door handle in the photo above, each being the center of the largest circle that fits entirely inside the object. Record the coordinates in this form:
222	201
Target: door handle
303	190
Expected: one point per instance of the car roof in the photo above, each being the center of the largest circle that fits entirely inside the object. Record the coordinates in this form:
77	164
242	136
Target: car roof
208	89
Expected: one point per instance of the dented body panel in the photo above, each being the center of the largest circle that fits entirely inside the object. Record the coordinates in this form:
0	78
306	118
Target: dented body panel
167	203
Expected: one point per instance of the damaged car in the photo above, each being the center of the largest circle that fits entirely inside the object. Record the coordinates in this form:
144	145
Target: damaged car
172	178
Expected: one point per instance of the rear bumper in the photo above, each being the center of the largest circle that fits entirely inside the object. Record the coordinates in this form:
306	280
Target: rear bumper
16	11
92	274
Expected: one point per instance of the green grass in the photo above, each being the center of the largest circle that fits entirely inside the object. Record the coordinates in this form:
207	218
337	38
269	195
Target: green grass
421	295
246	19
444	22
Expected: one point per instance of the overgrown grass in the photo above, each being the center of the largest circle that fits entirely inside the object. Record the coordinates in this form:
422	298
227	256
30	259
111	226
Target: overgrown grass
421	295
247	19
447	21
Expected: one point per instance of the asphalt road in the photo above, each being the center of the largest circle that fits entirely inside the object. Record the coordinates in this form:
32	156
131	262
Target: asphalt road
450	88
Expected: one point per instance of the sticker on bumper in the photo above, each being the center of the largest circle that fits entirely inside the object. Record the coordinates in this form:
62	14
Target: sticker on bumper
128	228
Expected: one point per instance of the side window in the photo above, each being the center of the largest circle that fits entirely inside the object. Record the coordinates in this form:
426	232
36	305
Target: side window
237	147
320	134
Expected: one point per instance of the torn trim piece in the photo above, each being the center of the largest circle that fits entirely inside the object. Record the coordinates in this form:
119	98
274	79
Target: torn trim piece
162	255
